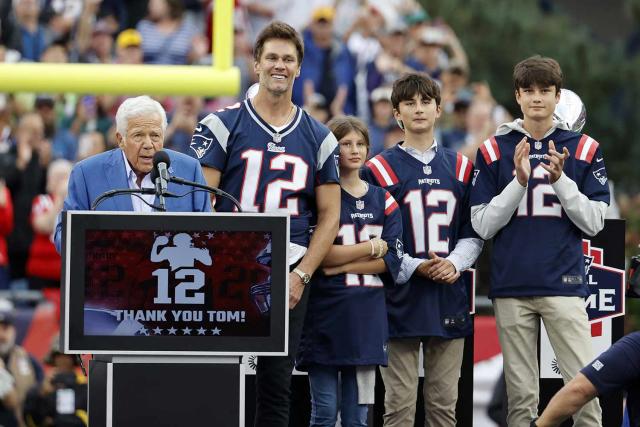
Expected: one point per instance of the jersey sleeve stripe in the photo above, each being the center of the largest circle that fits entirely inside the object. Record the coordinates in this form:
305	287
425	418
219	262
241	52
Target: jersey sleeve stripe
490	151
592	150
586	148
390	204
327	147
218	129
468	170
382	171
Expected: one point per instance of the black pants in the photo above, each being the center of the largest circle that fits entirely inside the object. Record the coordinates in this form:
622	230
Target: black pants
273	374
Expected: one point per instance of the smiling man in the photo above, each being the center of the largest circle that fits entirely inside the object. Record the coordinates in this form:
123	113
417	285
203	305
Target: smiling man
140	127
537	188
273	157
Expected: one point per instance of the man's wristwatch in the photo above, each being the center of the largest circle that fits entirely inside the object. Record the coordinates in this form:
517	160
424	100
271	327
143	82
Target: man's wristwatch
306	277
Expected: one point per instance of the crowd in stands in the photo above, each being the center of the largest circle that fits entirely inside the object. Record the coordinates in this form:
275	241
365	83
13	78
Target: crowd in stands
353	52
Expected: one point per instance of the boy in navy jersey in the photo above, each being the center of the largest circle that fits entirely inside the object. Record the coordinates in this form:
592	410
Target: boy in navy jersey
345	332
616	369
537	188
274	157
431	185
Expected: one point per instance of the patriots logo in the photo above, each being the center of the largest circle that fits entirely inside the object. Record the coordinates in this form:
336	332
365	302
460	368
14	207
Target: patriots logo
200	144
588	260
601	175
399	248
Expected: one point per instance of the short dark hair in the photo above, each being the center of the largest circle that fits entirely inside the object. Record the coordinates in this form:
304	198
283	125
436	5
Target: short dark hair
537	71
406	87
340	126
278	30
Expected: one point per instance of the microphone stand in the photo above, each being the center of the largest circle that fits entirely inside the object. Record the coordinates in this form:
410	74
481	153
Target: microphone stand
112	193
207	188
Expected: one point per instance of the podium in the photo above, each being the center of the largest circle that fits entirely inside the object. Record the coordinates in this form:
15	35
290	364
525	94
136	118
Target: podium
168	303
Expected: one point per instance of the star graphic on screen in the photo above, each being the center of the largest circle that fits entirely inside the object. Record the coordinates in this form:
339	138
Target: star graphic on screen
144	331
196	235
210	235
216	331
157	331
186	331
201	331
172	330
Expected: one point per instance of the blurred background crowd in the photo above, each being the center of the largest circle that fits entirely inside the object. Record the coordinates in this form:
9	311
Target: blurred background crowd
354	50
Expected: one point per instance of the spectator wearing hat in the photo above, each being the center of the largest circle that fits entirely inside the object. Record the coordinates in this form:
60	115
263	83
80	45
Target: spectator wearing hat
382	120
328	66
6	225
19	371
129	47
436	46
391	61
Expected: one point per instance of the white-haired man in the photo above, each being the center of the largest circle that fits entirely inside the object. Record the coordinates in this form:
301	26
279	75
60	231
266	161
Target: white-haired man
140	129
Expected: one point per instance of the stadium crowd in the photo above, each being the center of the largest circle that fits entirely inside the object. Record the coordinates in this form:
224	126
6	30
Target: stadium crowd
354	51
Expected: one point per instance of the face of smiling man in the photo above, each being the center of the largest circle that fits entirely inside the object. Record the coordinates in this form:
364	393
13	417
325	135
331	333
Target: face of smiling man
278	66
143	138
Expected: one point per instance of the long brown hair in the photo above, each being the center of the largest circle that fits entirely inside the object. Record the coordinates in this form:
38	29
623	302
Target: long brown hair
340	126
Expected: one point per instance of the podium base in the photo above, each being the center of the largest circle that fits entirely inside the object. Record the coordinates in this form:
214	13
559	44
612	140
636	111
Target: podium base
166	391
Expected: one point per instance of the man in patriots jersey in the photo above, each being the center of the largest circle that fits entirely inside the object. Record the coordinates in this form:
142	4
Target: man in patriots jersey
274	157
537	188
431	184
616	369
345	332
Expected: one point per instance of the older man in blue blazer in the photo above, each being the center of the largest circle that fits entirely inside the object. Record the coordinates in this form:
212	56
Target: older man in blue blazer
140	128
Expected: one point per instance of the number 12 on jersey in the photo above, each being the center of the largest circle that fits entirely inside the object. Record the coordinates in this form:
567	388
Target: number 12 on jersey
348	235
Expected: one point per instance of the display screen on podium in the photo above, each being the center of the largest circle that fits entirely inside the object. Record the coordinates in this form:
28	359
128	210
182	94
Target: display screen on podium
174	283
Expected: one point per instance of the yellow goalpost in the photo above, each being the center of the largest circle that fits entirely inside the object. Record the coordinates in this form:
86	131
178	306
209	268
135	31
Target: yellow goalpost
220	79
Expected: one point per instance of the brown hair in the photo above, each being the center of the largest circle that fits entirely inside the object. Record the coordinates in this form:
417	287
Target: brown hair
340	126
406	87
278	30
176	9
537	71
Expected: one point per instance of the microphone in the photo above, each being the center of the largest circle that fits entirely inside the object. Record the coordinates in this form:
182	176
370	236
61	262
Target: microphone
159	174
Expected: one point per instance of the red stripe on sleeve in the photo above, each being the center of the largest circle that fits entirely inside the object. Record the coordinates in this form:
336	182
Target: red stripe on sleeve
458	164
467	173
592	150
578	152
496	150
376	173
485	154
387	167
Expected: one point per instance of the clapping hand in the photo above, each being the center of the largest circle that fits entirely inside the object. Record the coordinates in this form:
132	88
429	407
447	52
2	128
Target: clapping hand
521	162
556	162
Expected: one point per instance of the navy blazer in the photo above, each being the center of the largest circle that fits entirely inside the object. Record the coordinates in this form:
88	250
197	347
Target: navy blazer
106	171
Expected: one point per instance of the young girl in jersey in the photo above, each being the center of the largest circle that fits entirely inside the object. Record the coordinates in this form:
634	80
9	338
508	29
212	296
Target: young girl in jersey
345	331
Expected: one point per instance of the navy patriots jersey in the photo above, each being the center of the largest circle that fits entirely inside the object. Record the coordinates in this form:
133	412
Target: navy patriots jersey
346	321
268	171
434	201
619	369
539	252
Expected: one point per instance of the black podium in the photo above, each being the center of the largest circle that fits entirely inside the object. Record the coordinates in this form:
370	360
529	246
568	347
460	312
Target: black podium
168	303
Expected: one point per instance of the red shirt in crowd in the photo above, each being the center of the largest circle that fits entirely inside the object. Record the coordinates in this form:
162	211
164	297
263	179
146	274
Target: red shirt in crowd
44	261
6	225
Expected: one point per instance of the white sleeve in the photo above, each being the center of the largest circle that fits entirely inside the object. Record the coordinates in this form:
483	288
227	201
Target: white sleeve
487	219
407	268
465	253
587	215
